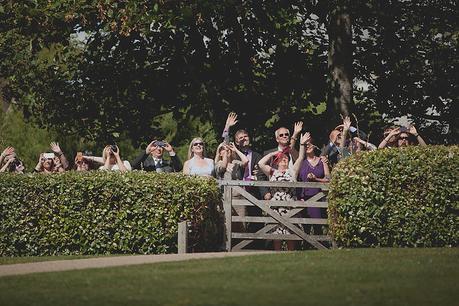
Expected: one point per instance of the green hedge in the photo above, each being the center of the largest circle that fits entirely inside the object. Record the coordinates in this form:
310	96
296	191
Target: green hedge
396	197
105	212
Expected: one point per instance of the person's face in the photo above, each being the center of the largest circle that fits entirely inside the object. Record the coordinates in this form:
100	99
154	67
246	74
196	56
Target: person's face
403	140
283	164
309	148
82	166
356	146
198	146
283	136
338	138
242	140
112	159
48	164
157	152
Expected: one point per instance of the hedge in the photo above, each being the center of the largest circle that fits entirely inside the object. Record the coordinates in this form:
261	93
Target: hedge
105	213
396	197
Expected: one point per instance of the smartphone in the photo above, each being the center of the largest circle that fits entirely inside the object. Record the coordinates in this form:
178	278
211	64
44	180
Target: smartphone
48	155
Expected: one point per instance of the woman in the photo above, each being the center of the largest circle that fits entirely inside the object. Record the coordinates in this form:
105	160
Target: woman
54	162
229	162
280	172
313	169
112	160
11	163
197	163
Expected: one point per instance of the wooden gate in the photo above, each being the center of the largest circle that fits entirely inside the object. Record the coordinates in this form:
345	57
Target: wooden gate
235	194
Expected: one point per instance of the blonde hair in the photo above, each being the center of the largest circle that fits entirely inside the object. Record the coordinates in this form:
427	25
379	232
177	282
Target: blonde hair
190	148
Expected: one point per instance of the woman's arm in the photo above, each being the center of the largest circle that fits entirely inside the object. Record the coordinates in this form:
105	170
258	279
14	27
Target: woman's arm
186	169
241	155
384	142
304	140
263	163
119	162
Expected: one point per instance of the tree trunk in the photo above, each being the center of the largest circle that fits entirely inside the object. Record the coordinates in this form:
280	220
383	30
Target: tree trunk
340	62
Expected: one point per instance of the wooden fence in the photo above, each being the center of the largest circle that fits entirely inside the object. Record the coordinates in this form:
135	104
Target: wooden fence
235	194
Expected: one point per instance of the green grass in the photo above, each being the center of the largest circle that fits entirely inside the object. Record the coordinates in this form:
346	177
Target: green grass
26	259
337	277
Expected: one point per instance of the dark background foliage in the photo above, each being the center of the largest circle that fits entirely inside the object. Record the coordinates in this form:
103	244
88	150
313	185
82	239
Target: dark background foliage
105	69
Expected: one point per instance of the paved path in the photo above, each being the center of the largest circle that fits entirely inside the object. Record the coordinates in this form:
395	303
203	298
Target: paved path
104	262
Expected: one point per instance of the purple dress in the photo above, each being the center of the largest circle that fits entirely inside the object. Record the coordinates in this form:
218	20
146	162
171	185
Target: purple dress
307	193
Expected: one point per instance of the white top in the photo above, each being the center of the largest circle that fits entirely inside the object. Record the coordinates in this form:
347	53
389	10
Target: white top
201	171
116	168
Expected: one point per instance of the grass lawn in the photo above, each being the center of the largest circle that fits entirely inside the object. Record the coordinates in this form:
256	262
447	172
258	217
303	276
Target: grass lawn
337	277
26	259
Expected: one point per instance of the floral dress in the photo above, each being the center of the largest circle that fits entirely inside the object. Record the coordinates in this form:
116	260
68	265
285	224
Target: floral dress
282	194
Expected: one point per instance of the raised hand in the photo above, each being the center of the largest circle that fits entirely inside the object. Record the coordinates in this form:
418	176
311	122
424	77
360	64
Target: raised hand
413	130
306	138
55	148
346	123
117	153
232	147
150	147
231	120
8	151
324	159
168	147
297	127
394	132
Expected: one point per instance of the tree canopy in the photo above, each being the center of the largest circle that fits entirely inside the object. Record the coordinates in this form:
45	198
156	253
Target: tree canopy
98	69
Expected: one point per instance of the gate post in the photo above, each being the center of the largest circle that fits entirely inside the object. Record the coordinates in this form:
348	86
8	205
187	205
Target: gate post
227	208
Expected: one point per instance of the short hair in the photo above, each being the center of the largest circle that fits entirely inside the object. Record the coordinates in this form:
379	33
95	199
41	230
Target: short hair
241	131
277	131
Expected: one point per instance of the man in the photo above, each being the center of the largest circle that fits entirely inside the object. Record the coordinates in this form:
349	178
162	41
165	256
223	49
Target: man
336	149
285	143
152	158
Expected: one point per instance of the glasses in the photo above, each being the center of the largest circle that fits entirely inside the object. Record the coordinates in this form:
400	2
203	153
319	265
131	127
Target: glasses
284	135
403	138
198	144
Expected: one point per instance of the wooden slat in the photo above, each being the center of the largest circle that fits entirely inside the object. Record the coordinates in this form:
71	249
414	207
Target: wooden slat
323	186
227	209
182	239
244	243
308	203
278	218
250	219
255	236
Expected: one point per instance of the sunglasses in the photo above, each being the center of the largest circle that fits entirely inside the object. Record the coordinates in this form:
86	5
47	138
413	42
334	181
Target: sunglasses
403	138
198	144
285	134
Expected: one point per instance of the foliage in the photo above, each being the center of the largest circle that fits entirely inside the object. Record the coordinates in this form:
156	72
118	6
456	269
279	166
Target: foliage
100	68
396	197
105	212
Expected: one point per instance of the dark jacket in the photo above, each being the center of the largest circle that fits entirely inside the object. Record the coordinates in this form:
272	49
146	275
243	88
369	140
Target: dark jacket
145	162
256	157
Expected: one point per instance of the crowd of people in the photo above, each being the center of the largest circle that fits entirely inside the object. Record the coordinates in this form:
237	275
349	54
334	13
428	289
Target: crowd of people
296	158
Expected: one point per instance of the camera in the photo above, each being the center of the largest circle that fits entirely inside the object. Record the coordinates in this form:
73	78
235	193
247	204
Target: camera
403	129
161	144
114	148
14	164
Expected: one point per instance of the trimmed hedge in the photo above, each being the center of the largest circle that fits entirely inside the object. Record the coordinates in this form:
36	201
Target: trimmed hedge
396	197
105	212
